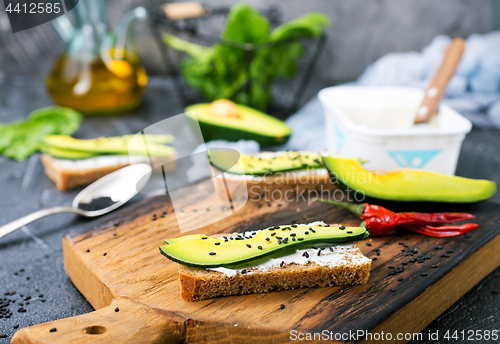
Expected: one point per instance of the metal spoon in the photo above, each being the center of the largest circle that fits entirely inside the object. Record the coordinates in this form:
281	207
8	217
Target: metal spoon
120	185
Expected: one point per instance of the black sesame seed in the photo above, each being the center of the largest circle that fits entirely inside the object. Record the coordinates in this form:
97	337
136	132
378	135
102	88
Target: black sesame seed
450	251
404	263
273	234
279	241
305	254
391	267
244	271
217	243
368	244
439	247
259	247
282	306
378	253
114	234
282	263
267	239
349	232
423	274
412	260
104	254
331	249
392	289
306	232
374	258
294	226
204	238
386	243
312	230
319	253
445	256
276	227
249	246
212	253
88	250
400	279
279	238
293	234
342	227
392	273
300	239
117	309
434	266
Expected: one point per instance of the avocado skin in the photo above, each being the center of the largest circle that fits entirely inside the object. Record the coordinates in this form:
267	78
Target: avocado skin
191	251
65	154
256	165
127	144
211	131
488	190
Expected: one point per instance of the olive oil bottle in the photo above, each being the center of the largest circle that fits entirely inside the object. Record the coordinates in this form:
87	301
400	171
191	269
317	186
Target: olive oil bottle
99	72
96	87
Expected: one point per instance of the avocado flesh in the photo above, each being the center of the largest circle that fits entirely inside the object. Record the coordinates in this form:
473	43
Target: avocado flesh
66	154
260	165
128	144
250	125
408	184
195	251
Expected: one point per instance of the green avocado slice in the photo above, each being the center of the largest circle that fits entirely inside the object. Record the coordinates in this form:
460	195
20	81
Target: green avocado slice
250	124
207	252
261	164
408	184
128	144
65	153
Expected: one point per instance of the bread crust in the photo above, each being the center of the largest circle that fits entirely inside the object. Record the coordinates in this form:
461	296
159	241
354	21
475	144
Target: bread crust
199	284
259	187
66	179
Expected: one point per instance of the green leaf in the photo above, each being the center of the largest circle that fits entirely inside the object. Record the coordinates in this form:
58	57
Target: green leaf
246	25
309	25
18	140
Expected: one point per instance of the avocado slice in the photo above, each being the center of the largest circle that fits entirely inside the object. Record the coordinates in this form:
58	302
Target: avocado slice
65	154
224	120
408	184
128	144
206	252
261	164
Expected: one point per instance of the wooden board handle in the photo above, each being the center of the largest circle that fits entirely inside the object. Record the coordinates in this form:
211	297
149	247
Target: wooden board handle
124	321
437	87
184	10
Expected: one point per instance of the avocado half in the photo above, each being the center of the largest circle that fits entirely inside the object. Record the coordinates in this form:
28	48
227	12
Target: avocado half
407	184
243	123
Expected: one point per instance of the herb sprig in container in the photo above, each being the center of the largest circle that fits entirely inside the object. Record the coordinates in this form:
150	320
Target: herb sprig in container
256	61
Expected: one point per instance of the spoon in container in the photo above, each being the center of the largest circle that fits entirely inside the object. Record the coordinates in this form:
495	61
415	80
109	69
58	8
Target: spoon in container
442	76
99	198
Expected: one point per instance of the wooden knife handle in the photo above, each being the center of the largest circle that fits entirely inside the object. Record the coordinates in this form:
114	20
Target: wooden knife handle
184	10
437	87
124	321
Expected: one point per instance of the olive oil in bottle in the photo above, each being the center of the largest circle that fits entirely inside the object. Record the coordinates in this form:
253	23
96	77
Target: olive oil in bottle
96	87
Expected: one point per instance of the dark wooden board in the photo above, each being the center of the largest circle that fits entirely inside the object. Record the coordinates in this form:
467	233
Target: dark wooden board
134	277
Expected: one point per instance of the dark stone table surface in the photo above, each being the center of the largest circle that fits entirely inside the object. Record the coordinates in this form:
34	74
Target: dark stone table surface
31	262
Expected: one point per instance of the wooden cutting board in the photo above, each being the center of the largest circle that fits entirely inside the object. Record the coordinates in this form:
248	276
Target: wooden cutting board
135	290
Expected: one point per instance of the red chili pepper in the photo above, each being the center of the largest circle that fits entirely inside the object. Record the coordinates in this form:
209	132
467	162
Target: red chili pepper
379	220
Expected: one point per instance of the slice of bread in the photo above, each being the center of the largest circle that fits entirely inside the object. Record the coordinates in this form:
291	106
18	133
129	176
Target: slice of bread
344	264
263	186
69	174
